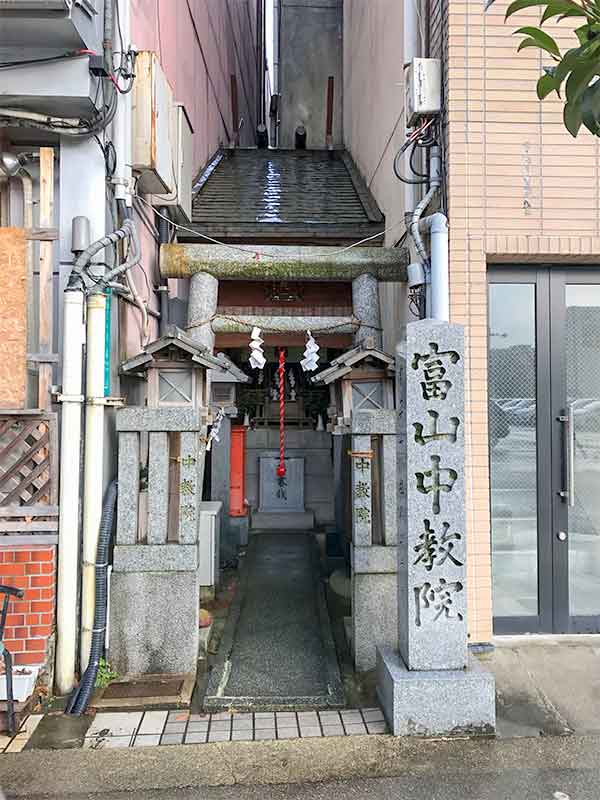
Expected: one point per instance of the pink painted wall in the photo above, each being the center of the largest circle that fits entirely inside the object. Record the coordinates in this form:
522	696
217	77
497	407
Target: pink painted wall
200	43
224	31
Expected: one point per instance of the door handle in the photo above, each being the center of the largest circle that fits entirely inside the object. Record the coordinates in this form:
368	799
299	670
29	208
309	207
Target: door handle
571	453
568	422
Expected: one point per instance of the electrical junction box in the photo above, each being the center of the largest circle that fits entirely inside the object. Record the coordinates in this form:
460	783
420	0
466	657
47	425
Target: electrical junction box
180	198
154	151
423	89
39	28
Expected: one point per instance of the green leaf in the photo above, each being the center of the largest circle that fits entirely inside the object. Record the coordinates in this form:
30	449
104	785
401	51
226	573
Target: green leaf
578	81
547	84
542	39
590	108
572	118
562	8
519	5
531	43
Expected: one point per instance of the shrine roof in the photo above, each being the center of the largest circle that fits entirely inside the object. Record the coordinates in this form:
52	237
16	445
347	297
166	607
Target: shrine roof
174	337
284	196
346	362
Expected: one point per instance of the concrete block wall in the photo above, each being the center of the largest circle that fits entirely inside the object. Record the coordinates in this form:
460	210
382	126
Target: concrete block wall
30	621
316	449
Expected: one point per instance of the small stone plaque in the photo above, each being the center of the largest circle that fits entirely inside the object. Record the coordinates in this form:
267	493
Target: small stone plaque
285	494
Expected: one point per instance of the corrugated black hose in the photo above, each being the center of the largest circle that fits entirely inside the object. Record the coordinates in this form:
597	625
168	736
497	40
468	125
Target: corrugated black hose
78	702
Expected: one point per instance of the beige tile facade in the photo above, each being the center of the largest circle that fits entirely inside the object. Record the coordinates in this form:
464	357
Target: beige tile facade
520	189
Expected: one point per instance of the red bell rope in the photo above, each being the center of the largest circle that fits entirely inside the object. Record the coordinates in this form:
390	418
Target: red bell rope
281	467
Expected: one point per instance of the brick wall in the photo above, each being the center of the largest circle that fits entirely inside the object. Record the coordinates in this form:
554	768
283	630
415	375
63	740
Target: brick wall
30	621
519	189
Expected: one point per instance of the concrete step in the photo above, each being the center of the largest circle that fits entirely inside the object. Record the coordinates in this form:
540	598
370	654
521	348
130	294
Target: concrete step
283	521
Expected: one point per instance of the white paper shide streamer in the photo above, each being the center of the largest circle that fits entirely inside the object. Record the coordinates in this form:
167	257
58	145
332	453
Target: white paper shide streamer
257	358
311	354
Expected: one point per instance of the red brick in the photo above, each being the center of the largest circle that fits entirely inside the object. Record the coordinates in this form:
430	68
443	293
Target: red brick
20	607
9	556
9	633
14	645
12	569
32	619
42	581
46	569
21	633
33	569
36	645
15	619
23	556
33	594
41	555
42	606
29	658
40	630
46	619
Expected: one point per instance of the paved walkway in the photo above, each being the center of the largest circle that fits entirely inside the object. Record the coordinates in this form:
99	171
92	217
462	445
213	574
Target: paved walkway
150	728
277	649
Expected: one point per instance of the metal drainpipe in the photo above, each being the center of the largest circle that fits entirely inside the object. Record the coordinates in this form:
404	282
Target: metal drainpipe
163	289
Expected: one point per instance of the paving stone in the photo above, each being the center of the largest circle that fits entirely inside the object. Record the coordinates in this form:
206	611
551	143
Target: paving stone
263	723
308	718
262	734
264	715
152	723
175	727
351	717
333	730
220	716
243	715
242	735
104	743
171	738
242	724
287	733
377	727
199	717
115	724
196	737
282	716
147	740
373	715
355	729
329	717
219	736
220	725
178	716
310	731
197	727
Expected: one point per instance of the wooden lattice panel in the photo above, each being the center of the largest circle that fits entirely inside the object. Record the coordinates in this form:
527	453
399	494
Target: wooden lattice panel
28	455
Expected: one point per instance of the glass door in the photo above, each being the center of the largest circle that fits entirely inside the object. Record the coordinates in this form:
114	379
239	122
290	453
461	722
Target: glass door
575	343
544	440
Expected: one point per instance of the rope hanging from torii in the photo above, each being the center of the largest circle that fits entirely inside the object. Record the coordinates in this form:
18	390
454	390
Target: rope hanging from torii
281	467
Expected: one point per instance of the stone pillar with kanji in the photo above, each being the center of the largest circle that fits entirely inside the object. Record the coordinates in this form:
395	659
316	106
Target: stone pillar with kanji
432	685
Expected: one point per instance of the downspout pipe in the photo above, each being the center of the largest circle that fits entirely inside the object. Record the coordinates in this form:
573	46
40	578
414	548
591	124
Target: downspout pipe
163	289
68	525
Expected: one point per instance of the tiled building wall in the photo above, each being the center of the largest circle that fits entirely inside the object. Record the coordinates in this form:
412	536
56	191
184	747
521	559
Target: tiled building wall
519	189
30	621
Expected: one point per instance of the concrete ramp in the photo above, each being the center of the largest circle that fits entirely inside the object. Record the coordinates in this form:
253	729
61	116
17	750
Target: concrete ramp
277	650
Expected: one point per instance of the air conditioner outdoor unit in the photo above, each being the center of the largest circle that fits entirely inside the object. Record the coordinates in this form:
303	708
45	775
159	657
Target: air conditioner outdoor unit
180	198
423	89
152	117
50	25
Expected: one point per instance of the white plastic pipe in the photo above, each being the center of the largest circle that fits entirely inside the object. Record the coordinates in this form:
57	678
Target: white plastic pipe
122	123
439	295
68	525
93	465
